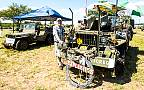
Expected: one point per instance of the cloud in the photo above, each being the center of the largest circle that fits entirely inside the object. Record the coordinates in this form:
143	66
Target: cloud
140	3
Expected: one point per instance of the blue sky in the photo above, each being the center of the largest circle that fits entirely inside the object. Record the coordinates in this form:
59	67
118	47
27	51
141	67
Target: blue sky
76	4
59	5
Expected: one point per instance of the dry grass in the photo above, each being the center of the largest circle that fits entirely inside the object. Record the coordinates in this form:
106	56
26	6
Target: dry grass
36	69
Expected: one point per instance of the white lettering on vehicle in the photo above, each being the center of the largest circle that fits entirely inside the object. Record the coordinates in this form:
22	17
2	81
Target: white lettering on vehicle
78	66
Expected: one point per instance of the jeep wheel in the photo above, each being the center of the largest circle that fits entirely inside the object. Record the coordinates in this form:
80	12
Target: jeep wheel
21	45
7	47
77	77
119	67
48	40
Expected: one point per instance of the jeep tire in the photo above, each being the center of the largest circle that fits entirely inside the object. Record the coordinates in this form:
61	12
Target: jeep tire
119	67
21	45
77	83
48	40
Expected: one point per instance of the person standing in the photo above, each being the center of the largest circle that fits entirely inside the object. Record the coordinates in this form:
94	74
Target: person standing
58	33
37	28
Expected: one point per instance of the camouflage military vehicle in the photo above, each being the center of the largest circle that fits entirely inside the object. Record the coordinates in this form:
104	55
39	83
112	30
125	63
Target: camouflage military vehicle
26	36
99	46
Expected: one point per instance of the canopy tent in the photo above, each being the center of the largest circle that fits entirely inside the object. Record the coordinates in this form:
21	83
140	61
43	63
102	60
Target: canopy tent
42	14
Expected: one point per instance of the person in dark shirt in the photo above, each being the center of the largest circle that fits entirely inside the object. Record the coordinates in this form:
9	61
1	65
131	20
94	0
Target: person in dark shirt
37	28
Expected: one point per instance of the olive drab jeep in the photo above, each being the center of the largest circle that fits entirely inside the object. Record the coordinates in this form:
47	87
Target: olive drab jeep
27	35
103	44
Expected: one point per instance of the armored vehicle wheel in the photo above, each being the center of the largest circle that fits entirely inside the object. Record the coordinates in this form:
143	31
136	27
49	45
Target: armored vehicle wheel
21	45
119	68
79	78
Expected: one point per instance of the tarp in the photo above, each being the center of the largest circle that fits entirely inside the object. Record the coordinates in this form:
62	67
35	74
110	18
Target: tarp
43	14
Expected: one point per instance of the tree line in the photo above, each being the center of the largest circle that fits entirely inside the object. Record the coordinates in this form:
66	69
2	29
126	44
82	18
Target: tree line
14	10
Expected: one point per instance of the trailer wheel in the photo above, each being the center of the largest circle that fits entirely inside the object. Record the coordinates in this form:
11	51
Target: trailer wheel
21	45
77	77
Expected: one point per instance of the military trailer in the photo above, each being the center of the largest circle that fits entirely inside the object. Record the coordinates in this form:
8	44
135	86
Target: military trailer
26	35
100	46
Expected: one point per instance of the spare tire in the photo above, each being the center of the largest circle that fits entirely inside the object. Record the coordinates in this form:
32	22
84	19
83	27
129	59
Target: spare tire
78	78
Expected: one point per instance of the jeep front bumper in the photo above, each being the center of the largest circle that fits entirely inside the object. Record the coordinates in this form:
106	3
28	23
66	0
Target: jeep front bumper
9	42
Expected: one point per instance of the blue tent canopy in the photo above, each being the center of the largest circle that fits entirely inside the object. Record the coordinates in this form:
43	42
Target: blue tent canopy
42	14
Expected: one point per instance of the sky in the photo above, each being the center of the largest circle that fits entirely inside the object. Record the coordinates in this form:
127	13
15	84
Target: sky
62	6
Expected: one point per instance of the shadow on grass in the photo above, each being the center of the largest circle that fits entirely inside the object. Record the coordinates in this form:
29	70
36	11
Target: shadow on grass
38	45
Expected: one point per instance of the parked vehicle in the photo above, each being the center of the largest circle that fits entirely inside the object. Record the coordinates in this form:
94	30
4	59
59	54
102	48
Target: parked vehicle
100	45
27	35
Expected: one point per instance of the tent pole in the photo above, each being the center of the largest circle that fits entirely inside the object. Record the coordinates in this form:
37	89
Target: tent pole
45	24
13	25
72	17
116	15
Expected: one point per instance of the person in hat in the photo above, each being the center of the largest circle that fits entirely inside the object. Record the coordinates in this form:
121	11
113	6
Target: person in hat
58	33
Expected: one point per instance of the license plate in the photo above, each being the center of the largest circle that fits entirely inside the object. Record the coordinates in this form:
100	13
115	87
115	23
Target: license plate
100	62
104	62
10	40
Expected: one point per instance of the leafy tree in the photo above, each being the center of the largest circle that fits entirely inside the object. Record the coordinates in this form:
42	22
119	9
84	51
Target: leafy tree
14	10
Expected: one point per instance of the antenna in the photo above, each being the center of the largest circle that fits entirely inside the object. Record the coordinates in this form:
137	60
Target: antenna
72	17
86	7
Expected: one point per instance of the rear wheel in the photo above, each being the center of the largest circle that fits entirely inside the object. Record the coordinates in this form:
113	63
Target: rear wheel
49	40
79	78
21	45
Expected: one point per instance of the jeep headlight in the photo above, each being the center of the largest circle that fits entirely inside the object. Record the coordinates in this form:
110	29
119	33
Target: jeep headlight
103	40
124	34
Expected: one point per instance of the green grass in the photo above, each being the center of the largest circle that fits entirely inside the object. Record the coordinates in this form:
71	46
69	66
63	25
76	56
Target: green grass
36	69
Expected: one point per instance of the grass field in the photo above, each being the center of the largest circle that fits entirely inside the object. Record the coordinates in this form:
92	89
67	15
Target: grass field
36	69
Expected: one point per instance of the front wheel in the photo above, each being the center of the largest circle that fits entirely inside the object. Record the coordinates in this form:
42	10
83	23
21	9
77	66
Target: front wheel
119	67
7	47
78	77
49	40
21	45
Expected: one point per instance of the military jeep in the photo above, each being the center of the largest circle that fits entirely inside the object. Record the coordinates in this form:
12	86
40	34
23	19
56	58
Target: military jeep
100	46
26	35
